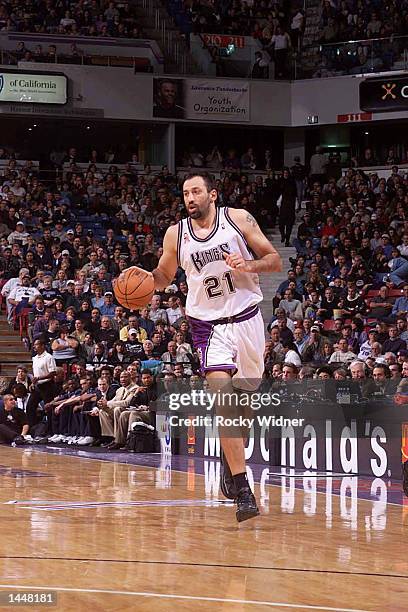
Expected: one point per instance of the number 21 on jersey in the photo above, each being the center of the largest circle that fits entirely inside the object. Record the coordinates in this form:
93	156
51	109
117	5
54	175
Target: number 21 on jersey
215	286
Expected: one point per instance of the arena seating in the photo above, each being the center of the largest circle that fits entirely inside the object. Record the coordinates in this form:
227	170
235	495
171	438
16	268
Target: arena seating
91	220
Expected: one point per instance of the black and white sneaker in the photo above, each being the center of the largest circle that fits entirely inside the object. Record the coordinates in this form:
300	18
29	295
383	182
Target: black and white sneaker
405	478
246	505
18	441
228	488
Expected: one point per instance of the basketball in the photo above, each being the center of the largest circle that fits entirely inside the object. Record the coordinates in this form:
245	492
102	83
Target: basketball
134	288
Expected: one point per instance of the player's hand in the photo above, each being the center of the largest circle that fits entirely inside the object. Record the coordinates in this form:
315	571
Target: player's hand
237	262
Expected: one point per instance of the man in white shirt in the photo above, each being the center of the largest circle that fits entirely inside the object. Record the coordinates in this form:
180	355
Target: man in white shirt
175	310
157	313
17	189
318	165
19	235
403	248
9	286
342	355
23	296
44	371
367	346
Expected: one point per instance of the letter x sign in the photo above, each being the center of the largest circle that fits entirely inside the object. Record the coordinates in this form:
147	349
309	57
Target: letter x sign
388	88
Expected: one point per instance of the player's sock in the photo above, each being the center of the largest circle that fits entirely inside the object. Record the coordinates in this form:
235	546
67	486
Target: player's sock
227	484
240	481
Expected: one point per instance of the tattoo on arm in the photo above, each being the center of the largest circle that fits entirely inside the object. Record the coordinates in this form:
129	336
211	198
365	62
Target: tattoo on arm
251	220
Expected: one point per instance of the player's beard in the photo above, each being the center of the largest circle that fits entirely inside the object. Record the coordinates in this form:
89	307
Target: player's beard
198	213
195	214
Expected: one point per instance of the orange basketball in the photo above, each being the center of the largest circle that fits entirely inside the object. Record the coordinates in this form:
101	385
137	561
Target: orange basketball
134	288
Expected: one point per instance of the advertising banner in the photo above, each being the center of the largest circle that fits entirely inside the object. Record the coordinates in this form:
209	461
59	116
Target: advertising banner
201	100
33	88
329	428
382	94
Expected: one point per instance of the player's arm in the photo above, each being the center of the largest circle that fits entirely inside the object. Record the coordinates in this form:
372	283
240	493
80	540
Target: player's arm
268	260
167	266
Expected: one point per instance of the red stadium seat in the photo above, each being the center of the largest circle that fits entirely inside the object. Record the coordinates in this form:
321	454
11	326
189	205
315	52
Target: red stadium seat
394	293
21	321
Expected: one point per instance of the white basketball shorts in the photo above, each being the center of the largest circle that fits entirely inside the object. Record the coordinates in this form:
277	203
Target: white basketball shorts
235	344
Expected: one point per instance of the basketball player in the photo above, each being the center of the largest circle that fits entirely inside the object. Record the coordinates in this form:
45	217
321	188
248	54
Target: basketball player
217	248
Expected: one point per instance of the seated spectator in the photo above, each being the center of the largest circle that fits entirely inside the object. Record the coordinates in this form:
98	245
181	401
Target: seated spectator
156	313
109	408
150	362
398	269
343	354
145	321
133	323
384	384
119	355
290	354
133	346
400	307
64	348
22	378
394	343
353	303
324	373
97	357
381	306
23	296
106	334
13	422
292	307
107	308
175	311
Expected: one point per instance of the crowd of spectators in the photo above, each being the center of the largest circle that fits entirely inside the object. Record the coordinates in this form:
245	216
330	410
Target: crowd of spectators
101	18
361	37
62	244
258	19
51	54
96	366
343	310
277	26
229	159
344	21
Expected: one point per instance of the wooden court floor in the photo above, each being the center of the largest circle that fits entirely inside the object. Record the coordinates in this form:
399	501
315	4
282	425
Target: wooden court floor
106	536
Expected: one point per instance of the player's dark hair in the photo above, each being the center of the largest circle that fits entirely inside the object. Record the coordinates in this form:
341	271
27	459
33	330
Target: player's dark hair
207	178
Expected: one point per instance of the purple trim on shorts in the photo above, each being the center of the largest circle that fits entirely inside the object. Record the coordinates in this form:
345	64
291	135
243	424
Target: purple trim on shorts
221	366
201	332
246	314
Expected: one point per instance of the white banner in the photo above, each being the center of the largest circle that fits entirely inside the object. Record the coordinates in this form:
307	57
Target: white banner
33	88
217	100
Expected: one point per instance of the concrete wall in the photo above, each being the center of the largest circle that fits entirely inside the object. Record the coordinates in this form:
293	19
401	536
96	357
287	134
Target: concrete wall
118	93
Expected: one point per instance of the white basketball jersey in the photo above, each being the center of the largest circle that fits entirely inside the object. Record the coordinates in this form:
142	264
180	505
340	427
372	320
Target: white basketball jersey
214	290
